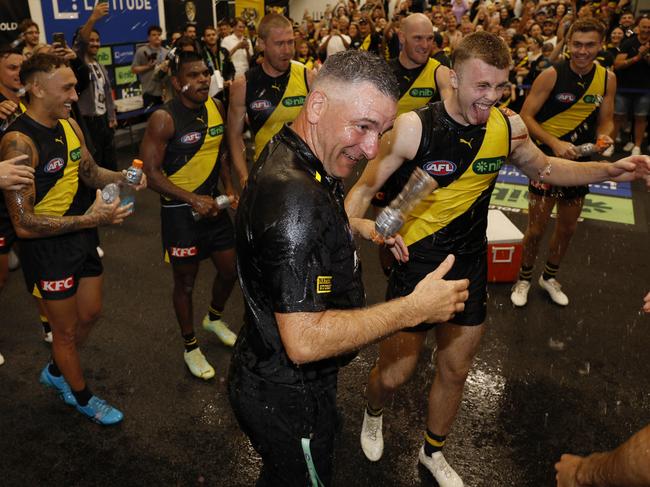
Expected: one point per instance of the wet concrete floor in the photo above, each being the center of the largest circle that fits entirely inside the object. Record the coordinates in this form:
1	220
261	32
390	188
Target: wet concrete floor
547	379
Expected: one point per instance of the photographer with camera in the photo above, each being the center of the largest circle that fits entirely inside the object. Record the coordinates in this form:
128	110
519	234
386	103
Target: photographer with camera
147	63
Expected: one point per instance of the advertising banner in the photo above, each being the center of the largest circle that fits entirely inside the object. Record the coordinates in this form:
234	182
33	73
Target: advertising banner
127	21
11	13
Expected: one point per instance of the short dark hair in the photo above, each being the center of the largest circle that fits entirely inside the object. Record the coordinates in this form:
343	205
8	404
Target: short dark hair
39	63
487	47
358	67
182	58
7	50
188	25
153	28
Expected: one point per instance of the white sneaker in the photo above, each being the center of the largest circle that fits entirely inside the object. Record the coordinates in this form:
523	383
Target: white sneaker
13	262
372	438
440	469
636	150
2	359
519	296
47	337
628	147
100	252
220	328
609	152
198	365
554	290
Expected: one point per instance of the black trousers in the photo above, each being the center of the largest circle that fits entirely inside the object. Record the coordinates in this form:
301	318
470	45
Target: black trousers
291	427
102	144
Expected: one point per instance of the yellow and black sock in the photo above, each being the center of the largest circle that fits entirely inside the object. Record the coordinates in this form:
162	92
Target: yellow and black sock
214	313
191	343
45	324
373	412
526	273
550	271
433	443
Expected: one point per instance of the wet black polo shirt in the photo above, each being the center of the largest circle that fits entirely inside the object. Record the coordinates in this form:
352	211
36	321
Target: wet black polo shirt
295	253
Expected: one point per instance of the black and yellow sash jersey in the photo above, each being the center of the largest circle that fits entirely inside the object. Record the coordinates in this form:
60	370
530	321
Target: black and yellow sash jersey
371	43
571	111
417	86
59	190
191	159
465	162
272	102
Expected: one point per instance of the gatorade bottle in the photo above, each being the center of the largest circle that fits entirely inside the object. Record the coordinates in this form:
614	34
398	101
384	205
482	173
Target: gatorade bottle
133	178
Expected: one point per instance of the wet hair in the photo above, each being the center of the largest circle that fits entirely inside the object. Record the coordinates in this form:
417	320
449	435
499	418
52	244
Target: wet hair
485	46
39	63
272	21
153	28
358	67
588	24
182	58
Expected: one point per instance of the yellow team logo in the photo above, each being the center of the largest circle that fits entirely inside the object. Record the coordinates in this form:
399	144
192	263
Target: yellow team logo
324	284
59	140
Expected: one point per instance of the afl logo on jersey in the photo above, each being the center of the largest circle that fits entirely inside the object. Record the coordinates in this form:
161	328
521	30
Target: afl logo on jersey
55	165
191	138
440	168
259	105
565	97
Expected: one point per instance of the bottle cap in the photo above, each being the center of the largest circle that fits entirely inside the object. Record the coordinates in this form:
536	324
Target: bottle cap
137	163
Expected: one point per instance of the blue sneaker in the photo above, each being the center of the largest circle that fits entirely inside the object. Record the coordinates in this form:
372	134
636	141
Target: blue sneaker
58	384
100	411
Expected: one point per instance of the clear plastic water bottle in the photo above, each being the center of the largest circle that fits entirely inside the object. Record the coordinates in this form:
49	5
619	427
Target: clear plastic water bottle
586	149
110	193
391	219
223	202
133	178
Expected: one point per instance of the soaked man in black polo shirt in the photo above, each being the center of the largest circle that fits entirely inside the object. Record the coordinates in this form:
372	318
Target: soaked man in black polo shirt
300	273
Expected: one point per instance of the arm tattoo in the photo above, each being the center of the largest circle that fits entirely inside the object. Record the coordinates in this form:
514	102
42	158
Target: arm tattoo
95	176
20	204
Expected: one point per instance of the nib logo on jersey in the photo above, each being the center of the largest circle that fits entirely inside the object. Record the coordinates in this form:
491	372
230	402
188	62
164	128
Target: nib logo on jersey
55	165
183	251
58	286
440	168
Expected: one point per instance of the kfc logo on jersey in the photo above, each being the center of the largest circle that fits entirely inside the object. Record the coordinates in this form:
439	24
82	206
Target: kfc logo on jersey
191	138
260	105
183	251
440	168
58	286
55	165
565	97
